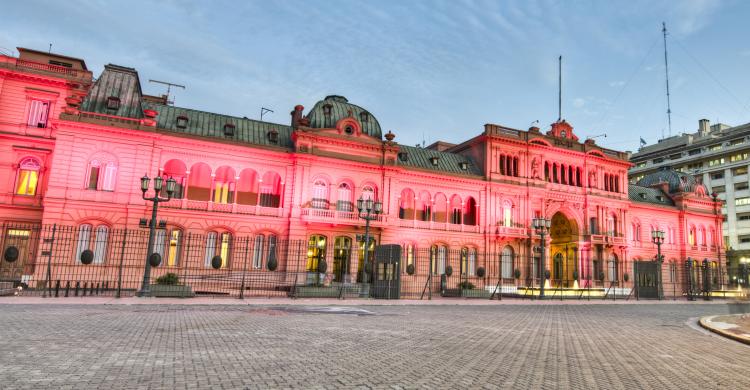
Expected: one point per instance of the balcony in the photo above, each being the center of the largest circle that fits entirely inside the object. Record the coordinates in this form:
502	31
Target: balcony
605	239
335	217
231	208
432	225
511	231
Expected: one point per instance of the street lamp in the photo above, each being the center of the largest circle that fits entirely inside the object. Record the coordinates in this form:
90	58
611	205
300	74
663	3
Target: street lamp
369	211
657	237
156	199
541	226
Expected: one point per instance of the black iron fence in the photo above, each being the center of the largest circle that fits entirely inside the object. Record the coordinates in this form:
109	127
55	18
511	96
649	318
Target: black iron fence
86	260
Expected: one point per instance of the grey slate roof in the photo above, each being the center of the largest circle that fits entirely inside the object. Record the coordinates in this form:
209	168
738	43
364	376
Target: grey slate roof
117	81
678	181
447	162
340	108
206	124
642	194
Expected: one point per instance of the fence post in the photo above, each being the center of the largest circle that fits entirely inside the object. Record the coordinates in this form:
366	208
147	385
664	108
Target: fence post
244	268
122	257
48	283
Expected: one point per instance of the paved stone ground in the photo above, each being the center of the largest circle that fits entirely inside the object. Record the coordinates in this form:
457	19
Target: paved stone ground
504	346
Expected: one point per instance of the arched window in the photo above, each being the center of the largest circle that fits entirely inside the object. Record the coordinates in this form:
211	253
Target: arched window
440	208
101	175
468	261
320	195
455	208
424	206
691	236
612	225
470	211
702	236
406	204
506	262
442	254
247	187
96	242
168	243
218	244
368	193
224	185
270	190
507	213
344	200
177	170
612	268
316	251
408	255
199	186
258	252
28	176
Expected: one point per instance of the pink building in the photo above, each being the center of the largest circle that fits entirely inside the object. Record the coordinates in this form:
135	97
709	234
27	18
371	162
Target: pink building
73	150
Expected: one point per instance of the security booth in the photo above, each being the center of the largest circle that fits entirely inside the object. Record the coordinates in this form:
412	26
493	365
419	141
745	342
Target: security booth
387	282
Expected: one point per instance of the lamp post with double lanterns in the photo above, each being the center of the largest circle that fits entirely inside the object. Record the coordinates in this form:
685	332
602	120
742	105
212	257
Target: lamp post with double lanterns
541	226
156	199
369	211
657	237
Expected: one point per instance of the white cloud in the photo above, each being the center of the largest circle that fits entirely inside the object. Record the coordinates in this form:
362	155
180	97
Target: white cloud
578	102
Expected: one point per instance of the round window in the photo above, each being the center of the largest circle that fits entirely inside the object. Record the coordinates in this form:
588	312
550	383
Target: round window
348	130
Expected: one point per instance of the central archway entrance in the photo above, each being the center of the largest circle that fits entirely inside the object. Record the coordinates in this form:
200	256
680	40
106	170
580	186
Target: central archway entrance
563	250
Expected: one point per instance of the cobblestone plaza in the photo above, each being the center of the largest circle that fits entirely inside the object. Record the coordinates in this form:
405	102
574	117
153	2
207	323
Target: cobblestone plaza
612	346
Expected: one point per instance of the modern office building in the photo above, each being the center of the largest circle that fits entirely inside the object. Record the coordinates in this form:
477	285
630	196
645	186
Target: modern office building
716	155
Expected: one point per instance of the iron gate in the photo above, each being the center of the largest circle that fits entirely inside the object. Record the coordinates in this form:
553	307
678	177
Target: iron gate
387	283
647	279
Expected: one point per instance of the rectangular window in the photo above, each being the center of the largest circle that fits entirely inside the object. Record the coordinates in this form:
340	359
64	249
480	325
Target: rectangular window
744	239
739	171
737	141
740	186
714	148
742	201
258	252
717	175
719	189
93	178
675	156
738	157
175	244
38	113
27	181
100	244
743	217
716	162
84	237
658	160
694	152
110	172
695	166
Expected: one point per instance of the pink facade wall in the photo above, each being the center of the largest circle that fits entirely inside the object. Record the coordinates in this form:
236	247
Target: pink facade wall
68	145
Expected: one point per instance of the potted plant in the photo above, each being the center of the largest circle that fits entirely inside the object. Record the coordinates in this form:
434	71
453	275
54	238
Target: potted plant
626	277
168	285
481	272
448	271
517	273
410	269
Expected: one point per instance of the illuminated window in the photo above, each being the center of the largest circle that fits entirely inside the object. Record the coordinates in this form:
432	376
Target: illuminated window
316	251
218	244
738	157
507	214
742	201
168	243
38	113
715	162
28	177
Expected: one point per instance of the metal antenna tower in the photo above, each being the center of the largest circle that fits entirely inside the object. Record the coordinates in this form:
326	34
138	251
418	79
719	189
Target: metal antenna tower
666	71
169	87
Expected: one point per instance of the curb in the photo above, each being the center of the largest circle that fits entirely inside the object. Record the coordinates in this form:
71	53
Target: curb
704	323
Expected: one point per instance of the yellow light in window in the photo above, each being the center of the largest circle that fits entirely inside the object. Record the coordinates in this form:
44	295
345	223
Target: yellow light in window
18	233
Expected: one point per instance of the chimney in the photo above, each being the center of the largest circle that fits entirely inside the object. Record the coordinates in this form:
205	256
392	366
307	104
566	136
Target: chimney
297	115
703	127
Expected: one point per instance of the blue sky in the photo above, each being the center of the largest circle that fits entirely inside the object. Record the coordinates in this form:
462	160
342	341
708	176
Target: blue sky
438	69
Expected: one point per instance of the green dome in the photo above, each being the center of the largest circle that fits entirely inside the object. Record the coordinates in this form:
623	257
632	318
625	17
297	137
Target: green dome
340	108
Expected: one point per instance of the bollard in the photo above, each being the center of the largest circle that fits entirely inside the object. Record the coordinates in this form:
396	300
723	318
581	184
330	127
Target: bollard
67	288
57	288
